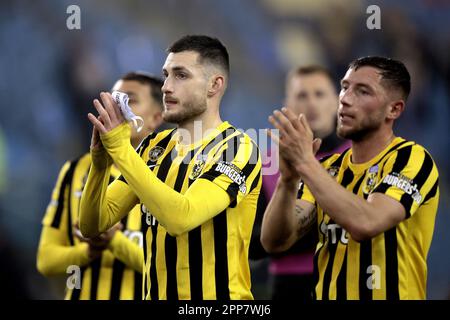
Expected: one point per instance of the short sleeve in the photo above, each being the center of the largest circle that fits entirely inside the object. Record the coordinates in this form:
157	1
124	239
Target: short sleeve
236	167
408	176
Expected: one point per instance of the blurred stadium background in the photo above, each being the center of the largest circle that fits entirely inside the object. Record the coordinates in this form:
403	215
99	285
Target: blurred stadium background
50	75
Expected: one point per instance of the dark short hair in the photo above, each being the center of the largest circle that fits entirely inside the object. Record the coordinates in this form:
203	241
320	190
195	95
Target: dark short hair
210	49
155	83
393	72
308	70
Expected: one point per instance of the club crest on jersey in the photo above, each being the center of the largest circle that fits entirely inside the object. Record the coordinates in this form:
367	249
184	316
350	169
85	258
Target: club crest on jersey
333	171
371	179
234	173
155	153
197	169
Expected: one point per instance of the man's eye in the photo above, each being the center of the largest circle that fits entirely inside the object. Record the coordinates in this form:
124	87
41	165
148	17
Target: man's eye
301	96
319	94
364	92
181	75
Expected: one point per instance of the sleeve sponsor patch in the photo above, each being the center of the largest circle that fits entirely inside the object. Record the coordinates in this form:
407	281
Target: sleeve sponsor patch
234	173
403	183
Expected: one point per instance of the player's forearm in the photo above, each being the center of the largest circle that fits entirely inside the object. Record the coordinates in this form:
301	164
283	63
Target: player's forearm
94	214
278	226
127	251
53	259
351	212
178	213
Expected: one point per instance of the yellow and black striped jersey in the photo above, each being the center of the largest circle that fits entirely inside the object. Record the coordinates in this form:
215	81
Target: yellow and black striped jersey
211	260
116	273
393	264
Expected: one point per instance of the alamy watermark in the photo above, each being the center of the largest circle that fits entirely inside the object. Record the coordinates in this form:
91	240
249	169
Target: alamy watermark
374	20
374	280
73	21
74	280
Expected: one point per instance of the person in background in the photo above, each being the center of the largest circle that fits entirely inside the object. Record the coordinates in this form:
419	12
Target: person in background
310	90
111	263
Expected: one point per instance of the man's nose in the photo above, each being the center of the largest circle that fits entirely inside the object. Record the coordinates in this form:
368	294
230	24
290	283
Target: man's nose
345	97
167	87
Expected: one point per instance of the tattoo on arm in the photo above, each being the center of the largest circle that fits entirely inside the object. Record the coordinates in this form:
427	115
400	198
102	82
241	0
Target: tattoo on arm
305	220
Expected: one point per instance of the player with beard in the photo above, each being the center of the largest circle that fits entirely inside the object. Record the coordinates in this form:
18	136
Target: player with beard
374	205
310	90
198	192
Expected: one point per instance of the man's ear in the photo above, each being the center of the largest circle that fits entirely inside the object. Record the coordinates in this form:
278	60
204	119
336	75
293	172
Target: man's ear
395	109
216	85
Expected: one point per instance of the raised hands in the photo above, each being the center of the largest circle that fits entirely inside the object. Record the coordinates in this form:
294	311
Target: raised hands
109	117
296	142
